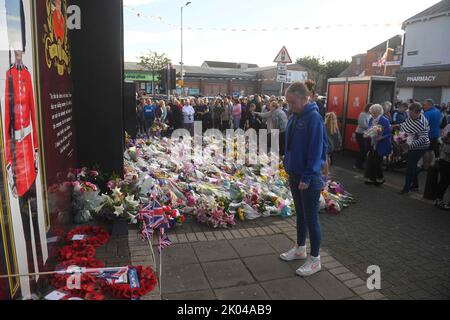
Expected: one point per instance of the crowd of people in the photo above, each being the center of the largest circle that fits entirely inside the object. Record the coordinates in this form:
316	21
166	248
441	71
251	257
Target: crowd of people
309	138
222	112
418	133
426	128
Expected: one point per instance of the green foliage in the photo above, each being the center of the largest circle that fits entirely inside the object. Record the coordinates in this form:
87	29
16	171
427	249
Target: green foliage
331	69
153	62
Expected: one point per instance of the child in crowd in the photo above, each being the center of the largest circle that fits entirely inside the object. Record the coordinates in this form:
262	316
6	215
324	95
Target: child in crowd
333	135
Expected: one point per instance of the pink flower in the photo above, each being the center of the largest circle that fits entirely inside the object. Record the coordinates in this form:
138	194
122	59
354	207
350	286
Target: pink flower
94	173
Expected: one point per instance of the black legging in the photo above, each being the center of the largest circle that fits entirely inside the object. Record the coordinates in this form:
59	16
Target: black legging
374	168
444	180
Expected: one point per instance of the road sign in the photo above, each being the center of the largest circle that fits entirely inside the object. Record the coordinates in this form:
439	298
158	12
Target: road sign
296	76
282	67
283	56
282	78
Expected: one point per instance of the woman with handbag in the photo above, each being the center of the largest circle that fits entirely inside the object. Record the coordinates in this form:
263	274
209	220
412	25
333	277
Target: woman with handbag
444	170
380	135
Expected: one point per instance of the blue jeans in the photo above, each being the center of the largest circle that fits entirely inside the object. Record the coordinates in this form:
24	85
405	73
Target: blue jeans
236	123
307	209
411	168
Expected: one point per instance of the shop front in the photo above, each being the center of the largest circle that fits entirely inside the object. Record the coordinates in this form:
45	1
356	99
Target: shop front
142	80
424	84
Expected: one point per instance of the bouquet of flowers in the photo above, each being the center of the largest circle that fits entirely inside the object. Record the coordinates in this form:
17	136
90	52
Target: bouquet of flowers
85	194
211	213
118	206
158	128
374	132
402	140
335	198
400	137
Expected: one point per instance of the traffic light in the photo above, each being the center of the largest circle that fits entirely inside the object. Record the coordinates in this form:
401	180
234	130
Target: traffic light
173	79
163	80
168	79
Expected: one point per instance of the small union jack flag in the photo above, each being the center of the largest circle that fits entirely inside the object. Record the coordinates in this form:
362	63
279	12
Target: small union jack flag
164	242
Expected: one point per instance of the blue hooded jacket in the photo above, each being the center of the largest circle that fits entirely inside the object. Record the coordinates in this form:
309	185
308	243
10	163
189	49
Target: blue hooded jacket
306	144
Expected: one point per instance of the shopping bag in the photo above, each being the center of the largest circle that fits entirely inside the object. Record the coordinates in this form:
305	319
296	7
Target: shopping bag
431	183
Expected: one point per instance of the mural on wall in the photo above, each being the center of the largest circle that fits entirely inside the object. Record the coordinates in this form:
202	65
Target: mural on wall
37	139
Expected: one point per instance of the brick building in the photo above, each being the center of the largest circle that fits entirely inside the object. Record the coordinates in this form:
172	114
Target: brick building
366	64
215	77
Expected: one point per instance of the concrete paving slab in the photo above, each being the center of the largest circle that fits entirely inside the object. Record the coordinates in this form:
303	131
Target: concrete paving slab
229	273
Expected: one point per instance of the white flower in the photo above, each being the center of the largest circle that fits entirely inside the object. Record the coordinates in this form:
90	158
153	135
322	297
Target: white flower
130	200
99	208
133	218
119	210
117	194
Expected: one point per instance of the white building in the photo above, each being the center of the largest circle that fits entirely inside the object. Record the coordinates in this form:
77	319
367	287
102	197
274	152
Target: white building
425	71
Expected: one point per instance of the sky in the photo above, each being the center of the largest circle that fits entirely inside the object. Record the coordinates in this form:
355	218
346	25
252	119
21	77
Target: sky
157	28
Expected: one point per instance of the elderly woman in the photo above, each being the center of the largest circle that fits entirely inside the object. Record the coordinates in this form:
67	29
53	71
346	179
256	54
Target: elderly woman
417	129
387	108
276	120
380	145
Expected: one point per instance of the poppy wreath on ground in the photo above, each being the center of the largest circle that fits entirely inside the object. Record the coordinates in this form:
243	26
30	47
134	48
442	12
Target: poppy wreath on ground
147	282
96	236
90	288
76	251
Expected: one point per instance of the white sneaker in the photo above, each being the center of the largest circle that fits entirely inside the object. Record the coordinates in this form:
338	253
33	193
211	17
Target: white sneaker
311	266
296	253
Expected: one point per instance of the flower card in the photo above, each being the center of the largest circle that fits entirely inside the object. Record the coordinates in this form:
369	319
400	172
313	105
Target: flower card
79	237
55	295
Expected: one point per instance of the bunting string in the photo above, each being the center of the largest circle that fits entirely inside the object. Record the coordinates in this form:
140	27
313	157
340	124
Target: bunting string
388	24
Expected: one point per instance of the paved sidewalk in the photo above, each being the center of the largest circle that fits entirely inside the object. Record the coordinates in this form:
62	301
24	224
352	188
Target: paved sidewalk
243	264
407	237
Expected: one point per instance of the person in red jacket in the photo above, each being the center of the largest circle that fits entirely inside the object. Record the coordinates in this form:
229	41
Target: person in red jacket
21	151
22	165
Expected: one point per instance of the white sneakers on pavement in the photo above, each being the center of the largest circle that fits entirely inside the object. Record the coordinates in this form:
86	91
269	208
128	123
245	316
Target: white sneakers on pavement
311	266
296	253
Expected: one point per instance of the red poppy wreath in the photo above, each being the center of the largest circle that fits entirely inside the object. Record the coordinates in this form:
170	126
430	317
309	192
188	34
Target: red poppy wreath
76	251
95	236
147	282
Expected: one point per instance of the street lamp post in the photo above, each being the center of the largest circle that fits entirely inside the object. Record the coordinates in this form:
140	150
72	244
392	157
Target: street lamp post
182	62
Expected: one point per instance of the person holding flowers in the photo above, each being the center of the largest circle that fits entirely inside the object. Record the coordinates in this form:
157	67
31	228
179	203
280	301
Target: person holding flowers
417	129
380	134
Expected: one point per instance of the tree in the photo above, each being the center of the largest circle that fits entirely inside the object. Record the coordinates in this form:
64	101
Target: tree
330	69
154	63
335	67
312	63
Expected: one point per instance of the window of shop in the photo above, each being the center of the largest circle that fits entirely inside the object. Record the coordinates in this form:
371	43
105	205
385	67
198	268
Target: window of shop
422	94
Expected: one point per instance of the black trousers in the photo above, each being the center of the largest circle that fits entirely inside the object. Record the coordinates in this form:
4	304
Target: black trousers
374	168
434	146
28	206
444	178
363	148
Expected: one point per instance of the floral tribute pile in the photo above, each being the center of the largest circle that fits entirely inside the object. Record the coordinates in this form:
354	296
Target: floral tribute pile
96	281
159	189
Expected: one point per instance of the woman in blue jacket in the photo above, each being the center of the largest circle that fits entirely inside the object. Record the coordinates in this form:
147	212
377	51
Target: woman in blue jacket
381	146
305	156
